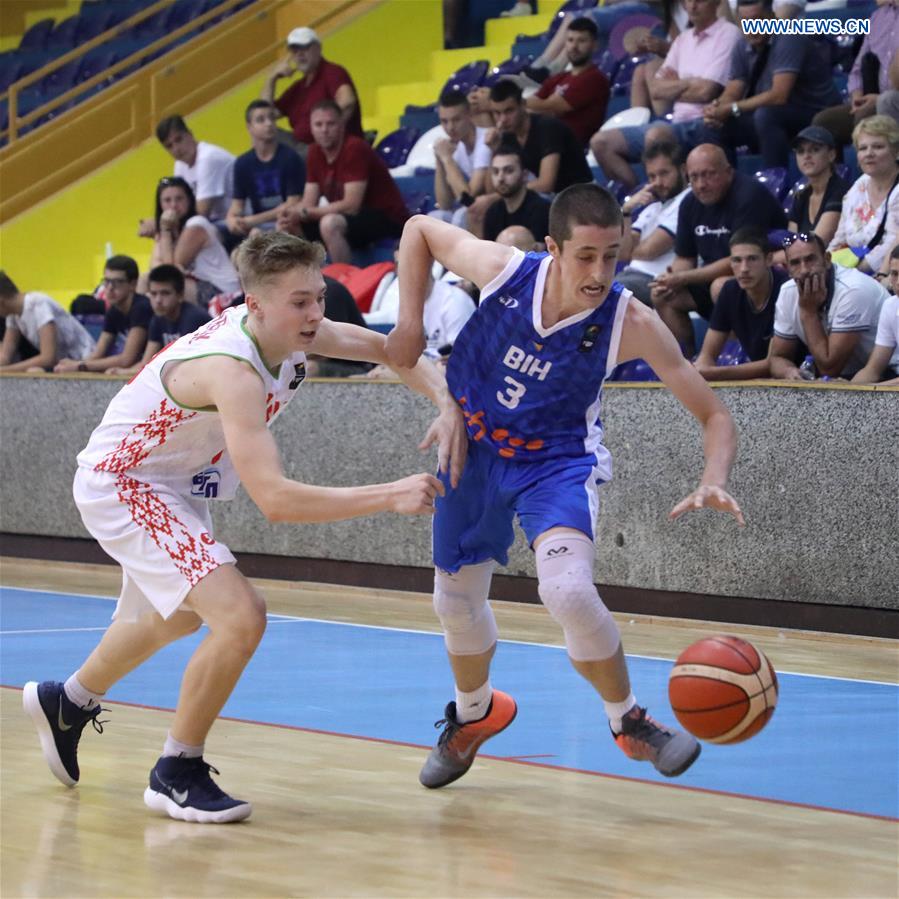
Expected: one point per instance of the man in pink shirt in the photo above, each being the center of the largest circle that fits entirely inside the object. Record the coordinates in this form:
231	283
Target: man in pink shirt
694	72
579	96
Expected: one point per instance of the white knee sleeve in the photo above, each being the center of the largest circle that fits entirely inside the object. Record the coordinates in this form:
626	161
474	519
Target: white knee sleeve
460	601
565	573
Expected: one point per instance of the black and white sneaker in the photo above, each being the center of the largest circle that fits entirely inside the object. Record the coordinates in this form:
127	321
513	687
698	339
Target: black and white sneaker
183	789
59	724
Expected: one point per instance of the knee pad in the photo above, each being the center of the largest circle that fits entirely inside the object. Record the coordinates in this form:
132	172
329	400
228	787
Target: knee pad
460	601
566	588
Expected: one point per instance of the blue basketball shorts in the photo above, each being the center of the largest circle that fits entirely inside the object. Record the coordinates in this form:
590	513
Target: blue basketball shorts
473	523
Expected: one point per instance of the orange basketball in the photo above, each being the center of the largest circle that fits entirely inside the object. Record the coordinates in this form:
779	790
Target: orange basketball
723	689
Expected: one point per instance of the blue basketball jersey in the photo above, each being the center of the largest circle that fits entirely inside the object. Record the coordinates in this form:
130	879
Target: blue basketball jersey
531	393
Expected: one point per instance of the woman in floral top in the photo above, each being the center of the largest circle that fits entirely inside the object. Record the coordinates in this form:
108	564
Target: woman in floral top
872	196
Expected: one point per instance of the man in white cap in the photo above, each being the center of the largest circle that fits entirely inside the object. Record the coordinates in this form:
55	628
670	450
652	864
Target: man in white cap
321	80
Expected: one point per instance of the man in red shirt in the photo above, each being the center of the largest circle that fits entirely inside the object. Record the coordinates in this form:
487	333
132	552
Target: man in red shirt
321	80
363	201
578	96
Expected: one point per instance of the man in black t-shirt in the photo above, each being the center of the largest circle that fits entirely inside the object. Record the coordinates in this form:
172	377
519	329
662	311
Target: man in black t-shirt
551	152
128	315
339	307
745	306
720	202
517	205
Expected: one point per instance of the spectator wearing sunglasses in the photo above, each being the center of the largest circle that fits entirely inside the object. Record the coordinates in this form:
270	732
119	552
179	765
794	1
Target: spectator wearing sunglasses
830	310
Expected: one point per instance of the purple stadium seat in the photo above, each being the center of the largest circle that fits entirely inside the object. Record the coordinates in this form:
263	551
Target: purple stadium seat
572	6
775	179
65	35
36	37
467	77
395	147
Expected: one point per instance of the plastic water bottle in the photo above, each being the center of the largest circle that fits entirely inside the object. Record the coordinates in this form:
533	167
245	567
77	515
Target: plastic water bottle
807	369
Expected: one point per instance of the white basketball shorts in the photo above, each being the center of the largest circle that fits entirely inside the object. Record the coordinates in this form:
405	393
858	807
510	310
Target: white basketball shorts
163	540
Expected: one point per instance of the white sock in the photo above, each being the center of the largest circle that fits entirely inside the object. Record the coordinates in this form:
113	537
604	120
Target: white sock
473	706
174	749
617	710
77	694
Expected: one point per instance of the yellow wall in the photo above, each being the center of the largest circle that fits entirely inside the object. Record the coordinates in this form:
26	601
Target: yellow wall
59	246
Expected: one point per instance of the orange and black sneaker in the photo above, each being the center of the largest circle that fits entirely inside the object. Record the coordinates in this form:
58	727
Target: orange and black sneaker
458	745
644	740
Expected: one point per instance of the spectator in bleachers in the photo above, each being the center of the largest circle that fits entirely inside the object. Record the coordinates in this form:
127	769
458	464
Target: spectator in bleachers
44	324
831	310
266	177
777	85
577	96
516	204
462	159
745	306
721	201
648	244
322	80
693	74
883	363
172	316
363	203
521	238
127	318
191	242
817	206
869	78
479	106
869	224
339	307
208	169
550	151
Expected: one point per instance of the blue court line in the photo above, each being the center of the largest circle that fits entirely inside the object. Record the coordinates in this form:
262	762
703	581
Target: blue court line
832	743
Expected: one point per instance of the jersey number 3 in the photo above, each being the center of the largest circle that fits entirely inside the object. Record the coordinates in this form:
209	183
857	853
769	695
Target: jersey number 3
513	393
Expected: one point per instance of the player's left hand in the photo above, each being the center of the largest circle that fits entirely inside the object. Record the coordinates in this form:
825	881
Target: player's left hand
449	433
708	497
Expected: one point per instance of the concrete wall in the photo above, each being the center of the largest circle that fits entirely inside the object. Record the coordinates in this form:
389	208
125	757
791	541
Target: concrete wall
817	476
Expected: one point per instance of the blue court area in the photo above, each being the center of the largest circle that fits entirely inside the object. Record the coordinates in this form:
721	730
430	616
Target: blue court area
832	743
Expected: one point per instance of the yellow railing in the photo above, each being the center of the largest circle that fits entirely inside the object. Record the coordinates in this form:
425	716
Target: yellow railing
120	117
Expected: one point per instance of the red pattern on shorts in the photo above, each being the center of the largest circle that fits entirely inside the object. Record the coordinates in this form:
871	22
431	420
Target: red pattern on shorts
144	438
166	530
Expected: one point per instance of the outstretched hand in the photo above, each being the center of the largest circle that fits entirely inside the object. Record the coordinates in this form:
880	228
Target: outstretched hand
415	495
707	497
405	345
449	433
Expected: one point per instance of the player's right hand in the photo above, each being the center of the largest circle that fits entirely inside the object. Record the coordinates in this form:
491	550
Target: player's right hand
415	495
405	344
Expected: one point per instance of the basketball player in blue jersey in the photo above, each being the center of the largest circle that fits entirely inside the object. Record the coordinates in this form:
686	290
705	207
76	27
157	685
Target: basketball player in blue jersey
527	371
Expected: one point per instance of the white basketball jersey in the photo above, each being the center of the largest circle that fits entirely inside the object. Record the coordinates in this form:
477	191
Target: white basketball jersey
149	437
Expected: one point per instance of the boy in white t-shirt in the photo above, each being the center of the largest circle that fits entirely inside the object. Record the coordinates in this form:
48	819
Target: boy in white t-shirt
884	358
190	427
44	324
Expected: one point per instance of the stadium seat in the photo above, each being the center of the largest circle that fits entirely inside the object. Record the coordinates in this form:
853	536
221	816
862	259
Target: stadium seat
775	179
467	77
395	147
36	37
64	36
572	6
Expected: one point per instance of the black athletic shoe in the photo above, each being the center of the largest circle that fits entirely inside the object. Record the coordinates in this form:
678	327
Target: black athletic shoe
183	789
59	724
645	740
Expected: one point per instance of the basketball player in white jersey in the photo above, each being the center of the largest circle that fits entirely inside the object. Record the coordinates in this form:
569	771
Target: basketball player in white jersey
190	427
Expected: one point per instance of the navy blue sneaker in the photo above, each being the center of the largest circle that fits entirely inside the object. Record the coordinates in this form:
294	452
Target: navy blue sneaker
59	724
183	789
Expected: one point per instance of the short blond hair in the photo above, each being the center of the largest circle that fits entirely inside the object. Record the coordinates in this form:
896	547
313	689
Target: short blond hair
272	253
877	126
